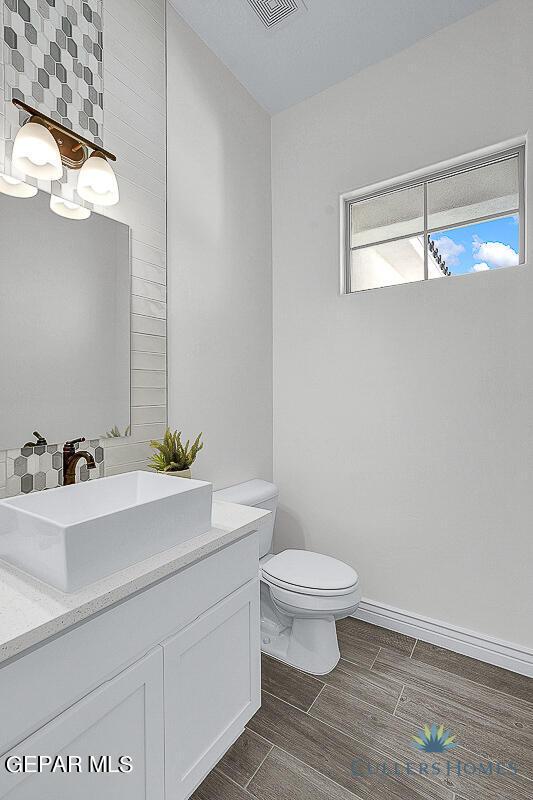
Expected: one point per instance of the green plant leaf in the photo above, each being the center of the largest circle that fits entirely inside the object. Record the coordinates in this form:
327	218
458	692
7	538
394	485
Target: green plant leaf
172	455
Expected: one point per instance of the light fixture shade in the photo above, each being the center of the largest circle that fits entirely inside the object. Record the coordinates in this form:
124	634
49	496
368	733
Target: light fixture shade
35	152
97	182
16	188
68	209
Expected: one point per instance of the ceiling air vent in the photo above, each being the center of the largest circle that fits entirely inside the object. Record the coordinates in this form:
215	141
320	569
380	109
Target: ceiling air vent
272	12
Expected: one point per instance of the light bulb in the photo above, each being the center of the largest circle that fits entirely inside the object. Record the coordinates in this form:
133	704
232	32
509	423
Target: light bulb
16	188
35	152
97	182
65	208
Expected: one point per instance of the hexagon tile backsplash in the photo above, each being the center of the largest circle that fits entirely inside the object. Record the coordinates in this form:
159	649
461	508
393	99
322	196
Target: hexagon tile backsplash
33	469
53	51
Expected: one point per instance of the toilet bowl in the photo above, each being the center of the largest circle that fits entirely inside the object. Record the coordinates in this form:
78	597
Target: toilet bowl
302	593
306	593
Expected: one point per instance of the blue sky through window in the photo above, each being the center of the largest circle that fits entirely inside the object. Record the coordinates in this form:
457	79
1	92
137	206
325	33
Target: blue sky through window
481	246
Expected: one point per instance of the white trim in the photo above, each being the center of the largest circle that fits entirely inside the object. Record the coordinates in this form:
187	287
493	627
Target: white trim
469	643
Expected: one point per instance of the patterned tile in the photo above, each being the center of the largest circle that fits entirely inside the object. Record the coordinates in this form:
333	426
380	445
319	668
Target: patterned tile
53	54
32	469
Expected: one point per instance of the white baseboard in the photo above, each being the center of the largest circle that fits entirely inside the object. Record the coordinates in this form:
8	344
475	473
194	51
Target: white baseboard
477	645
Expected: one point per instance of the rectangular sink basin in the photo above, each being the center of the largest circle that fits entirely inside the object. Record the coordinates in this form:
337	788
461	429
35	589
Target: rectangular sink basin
74	535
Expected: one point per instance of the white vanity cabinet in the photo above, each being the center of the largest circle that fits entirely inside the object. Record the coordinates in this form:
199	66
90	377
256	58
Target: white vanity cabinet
124	716
168	678
212	688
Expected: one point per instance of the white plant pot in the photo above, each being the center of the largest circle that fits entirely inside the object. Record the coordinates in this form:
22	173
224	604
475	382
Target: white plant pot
184	473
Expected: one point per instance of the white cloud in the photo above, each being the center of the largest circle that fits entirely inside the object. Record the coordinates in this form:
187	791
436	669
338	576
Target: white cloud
481	267
449	250
495	254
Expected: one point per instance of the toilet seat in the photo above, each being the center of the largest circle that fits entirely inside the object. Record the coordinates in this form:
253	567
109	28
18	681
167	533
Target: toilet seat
297	604
313	574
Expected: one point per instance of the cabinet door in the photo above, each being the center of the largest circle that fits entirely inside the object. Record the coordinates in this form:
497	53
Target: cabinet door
123	717
212	688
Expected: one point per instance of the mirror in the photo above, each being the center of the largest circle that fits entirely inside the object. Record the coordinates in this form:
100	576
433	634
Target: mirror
64	324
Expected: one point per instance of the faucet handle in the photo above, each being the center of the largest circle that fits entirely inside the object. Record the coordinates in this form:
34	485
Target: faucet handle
70	444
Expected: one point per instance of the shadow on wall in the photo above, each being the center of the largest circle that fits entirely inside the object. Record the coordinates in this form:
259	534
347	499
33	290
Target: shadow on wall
288	532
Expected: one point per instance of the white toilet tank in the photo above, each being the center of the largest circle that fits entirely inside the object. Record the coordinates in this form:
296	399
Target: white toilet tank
255	493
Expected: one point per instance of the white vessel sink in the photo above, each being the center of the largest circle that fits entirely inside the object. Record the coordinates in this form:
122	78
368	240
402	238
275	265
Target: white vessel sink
74	535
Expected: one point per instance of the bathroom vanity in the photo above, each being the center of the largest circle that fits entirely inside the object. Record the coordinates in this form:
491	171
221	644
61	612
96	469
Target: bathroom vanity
144	678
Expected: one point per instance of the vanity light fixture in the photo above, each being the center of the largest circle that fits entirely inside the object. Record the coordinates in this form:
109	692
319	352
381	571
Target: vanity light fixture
36	153
43	145
16	188
97	182
68	209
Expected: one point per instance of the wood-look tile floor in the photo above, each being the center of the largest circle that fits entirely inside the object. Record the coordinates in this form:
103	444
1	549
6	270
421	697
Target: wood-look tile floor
303	742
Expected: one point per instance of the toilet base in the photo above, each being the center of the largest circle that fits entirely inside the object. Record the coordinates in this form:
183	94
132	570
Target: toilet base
309	644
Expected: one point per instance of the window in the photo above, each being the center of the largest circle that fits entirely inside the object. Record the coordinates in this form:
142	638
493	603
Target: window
463	220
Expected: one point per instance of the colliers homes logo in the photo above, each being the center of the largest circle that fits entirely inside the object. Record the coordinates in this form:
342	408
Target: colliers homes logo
434	739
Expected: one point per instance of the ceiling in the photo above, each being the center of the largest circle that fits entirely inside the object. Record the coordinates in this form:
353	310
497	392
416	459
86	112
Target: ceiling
309	51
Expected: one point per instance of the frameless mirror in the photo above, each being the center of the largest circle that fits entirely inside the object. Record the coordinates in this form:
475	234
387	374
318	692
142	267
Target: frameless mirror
64	324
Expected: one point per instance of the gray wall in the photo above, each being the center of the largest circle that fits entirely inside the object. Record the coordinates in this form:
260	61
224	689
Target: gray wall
402	416
220	278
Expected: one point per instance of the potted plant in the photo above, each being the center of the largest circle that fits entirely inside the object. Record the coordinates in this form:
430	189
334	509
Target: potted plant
174	458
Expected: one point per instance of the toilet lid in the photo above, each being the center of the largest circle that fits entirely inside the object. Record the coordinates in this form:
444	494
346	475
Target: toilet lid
309	572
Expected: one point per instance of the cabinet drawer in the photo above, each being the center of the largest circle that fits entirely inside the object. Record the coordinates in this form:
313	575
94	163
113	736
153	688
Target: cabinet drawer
123	717
212	688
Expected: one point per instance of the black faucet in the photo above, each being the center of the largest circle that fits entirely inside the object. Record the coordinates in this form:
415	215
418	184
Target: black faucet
71	456
40	440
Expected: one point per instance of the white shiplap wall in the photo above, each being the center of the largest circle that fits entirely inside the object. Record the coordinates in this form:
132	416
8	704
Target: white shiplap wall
135	129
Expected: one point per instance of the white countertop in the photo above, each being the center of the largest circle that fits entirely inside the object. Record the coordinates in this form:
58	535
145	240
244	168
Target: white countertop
32	611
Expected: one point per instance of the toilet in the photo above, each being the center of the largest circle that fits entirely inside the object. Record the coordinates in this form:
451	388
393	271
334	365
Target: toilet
302	593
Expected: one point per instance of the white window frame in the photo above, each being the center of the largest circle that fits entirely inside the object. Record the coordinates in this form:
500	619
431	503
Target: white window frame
422	178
